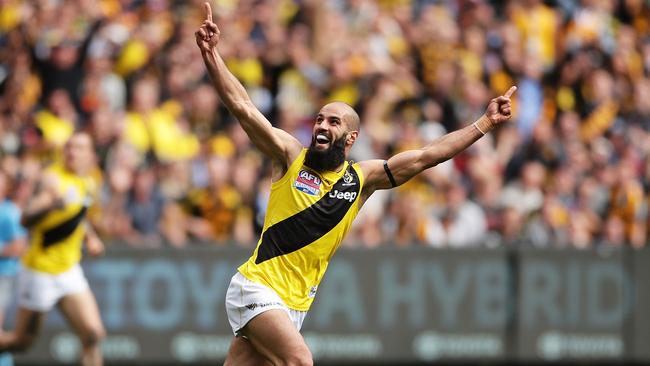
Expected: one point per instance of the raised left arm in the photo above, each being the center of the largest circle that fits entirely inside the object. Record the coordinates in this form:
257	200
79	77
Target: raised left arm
400	168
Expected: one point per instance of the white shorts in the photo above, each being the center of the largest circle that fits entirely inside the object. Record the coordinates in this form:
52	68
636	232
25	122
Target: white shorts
246	299
40	291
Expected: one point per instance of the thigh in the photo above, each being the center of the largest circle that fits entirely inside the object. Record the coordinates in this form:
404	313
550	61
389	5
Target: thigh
28	324
81	311
274	336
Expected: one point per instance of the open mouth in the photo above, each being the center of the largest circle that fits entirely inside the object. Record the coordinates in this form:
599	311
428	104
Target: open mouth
321	139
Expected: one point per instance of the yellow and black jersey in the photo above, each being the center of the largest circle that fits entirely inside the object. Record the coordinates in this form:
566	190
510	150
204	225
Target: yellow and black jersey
56	240
308	215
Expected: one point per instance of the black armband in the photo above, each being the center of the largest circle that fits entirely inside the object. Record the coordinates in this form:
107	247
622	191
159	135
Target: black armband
389	174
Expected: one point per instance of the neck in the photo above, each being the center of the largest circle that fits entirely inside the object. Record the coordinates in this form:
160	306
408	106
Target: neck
79	172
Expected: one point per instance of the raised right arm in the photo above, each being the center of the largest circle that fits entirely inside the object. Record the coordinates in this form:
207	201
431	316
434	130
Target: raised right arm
42	202
273	142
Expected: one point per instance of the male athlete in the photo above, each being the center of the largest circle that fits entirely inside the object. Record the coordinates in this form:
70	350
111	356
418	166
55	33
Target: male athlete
315	195
51	275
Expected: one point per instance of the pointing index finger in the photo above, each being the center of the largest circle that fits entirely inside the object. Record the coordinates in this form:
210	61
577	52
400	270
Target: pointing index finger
208	11
510	91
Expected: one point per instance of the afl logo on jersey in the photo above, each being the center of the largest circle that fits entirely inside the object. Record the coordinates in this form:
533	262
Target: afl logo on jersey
308	183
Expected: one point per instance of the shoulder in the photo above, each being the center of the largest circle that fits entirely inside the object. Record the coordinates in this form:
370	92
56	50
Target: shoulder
295	152
51	178
281	172
371	169
53	172
52	169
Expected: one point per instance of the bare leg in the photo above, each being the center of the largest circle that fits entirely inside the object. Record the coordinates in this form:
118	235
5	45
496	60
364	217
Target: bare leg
5	357
242	353
82	313
273	336
28	325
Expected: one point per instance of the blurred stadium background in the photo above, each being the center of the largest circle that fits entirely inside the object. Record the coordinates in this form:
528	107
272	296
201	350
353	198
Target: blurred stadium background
530	246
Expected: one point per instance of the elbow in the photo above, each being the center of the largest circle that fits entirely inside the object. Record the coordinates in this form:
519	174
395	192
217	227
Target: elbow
430	165
441	159
431	158
240	109
424	165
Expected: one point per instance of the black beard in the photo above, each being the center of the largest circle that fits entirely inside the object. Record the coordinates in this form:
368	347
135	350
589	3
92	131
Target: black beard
329	159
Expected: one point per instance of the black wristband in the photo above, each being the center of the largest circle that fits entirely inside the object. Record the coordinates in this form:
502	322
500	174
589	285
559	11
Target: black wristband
389	174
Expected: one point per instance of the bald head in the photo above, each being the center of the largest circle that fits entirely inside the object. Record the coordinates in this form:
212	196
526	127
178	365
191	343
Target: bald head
346	112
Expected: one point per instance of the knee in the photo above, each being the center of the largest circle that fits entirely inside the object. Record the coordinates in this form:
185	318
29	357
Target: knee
303	361
92	337
300	358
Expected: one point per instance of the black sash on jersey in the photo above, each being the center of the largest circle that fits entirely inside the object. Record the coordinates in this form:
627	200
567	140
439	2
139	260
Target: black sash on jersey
310	224
64	229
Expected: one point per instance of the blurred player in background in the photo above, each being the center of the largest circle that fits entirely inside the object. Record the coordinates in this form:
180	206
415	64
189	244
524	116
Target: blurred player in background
12	244
315	195
51	274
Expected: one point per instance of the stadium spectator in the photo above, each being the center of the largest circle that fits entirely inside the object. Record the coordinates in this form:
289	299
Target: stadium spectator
461	224
127	72
144	205
12	244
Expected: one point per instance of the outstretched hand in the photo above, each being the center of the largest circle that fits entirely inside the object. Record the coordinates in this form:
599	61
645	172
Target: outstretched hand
499	109
95	246
207	36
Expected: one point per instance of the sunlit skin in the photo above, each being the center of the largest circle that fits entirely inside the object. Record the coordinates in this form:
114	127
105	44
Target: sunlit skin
271	336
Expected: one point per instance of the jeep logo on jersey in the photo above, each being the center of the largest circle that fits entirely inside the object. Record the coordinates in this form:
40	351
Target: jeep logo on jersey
308	182
349	196
309	225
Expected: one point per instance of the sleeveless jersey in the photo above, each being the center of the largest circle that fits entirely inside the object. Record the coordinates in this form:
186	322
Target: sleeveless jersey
56	240
308	215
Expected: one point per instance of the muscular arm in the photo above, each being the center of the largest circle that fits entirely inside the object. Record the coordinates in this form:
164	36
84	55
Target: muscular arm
273	142
408	164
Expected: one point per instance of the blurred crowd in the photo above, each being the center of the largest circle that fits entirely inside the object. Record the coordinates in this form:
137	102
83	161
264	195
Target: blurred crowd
571	169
